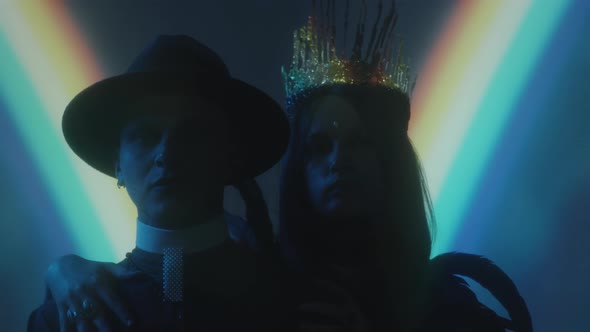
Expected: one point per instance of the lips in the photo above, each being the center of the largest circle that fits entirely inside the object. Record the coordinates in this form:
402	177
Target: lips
339	186
166	181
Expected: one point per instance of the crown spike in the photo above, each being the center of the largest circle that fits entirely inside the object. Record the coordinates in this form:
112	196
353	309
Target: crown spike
388	43
346	17
370	50
316	60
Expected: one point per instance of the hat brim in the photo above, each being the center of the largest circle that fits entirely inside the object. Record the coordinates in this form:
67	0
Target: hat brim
93	120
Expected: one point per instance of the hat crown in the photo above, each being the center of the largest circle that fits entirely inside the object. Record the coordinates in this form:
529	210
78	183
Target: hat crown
178	54
93	120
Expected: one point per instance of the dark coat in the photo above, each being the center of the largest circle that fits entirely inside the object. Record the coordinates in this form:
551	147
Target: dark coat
229	288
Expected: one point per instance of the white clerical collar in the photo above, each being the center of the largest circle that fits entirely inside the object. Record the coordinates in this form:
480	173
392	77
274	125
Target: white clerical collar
193	239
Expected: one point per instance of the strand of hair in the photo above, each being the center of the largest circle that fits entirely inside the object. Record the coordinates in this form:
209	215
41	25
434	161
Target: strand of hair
385	37
356	49
320	29
390	45
346	17
357	56
388	25
333	35
326	30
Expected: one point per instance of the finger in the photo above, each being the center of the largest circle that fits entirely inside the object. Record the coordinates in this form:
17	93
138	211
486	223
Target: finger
64	325
101	324
114	302
94	315
74	308
86	306
120	272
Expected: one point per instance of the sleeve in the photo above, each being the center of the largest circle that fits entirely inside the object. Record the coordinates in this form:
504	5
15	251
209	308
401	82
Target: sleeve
447	267
240	231
44	319
454	306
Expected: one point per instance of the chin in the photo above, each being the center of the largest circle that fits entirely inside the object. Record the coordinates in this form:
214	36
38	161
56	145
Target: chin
169	207
342	210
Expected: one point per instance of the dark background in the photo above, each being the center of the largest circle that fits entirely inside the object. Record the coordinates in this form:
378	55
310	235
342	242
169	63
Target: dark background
255	39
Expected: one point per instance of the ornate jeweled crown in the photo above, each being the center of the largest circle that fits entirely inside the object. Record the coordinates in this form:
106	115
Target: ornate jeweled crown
316	61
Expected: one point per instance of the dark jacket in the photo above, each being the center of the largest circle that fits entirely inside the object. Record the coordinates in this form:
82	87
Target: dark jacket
452	306
228	288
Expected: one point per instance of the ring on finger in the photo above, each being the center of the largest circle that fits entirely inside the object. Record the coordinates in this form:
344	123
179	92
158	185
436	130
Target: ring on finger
72	315
88	309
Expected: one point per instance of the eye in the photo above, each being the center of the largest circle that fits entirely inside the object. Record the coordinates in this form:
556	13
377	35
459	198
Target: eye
146	136
319	145
356	140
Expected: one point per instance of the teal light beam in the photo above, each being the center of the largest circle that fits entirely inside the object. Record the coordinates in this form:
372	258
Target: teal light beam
48	151
491	117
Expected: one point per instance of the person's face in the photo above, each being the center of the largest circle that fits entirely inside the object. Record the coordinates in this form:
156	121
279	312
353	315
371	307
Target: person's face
174	155
344	176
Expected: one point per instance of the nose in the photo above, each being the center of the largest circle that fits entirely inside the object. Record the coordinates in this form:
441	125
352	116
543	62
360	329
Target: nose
159	160
167	149
335	157
341	158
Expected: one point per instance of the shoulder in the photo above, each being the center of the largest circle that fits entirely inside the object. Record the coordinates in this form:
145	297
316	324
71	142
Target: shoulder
451	302
452	306
240	230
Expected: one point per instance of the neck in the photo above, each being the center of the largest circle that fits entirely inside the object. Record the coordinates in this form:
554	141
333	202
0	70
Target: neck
191	239
344	242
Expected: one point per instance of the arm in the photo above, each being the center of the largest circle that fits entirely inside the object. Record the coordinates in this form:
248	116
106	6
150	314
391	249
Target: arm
444	271
257	213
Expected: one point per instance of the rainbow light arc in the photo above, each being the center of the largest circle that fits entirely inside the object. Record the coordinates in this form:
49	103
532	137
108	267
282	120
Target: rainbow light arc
42	72
504	40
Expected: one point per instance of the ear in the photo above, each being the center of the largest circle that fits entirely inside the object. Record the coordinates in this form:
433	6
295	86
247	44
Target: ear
233	160
119	174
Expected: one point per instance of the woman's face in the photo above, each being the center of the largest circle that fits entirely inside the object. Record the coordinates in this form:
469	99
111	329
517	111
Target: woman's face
343	173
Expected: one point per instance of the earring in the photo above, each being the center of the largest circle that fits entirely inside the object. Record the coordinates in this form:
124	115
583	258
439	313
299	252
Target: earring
332	166
159	160
120	184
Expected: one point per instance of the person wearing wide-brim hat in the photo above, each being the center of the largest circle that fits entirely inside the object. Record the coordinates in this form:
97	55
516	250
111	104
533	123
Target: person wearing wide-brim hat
174	130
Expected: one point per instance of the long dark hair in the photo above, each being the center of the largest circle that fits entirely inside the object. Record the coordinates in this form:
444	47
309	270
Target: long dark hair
405	242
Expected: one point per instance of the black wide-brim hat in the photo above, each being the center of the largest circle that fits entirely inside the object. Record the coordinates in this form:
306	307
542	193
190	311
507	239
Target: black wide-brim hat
176	65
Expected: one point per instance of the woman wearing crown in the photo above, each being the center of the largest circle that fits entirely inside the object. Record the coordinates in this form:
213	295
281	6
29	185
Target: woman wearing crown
354	206
354	210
